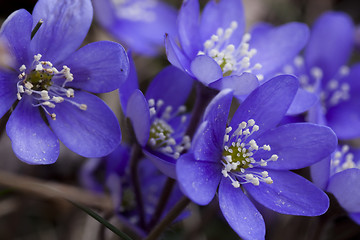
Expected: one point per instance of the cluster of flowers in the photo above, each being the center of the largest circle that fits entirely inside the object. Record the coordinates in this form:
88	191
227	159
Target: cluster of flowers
293	106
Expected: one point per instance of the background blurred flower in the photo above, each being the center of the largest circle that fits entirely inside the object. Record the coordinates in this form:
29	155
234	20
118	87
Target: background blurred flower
339	174
323	72
159	118
138	24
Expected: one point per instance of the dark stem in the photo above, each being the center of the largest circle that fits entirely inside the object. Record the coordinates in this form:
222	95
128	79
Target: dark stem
165	195
103	221
136	155
168	219
203	97
36	28
3	122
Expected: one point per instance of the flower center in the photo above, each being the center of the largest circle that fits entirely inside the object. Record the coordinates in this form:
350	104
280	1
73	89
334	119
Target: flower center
343	159
335	90
160	133
41	80
135	10
231	59
167	129
42	83
238	158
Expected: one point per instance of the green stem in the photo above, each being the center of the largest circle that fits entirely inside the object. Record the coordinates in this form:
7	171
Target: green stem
103	221
36	28
168	219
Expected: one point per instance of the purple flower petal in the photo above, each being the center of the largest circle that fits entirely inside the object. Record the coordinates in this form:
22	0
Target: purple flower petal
316	114
171	85
331	30
94	132
205	69
164	163
298	145
355	217
143	34
118	160
188	27
7	91
98	67
114	184
302	102
209	141
16	31
259	29
206	144
267	104
239	212
104	12
198	179
220	14
87	173
138	112
130	84
320	173
175	55
289	194
278	46
353	80
241	85
66	23
344	119
344	186
32	140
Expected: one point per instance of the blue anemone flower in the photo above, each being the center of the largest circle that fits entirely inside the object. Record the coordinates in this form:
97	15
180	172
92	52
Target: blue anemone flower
139	24
323	73
46	76
215	49
159	118
340	175
252	155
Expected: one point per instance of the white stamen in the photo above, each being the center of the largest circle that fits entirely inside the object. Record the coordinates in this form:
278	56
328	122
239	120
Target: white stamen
22	68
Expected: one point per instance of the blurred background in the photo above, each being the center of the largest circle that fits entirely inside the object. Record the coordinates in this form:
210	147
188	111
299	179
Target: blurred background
31	206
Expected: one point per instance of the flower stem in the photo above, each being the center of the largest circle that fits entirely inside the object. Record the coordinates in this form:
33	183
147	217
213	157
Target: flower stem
203	97
166	192
3	122
169	218
136	155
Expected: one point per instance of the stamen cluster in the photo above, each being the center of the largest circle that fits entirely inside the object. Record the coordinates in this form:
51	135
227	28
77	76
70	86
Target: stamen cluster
238	156
343	160
163	137
333	93
42	82
232	60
